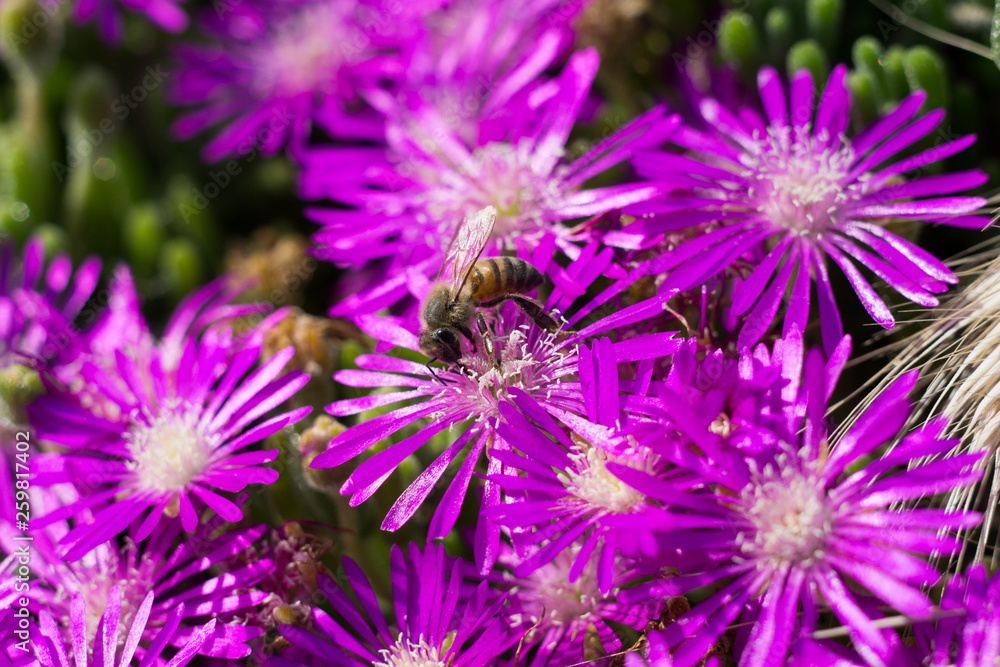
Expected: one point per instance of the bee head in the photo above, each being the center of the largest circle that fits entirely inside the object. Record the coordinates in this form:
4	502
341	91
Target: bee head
442	343
436	310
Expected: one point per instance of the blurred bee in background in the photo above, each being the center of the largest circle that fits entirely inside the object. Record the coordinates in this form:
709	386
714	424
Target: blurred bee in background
474	283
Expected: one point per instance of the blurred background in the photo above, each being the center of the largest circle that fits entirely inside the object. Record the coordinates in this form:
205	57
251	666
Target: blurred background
88	159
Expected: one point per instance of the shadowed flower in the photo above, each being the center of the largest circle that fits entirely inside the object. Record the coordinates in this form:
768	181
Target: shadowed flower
410	198
781	539
971	638
107	14
474	57
791	191
273	69
39	301
440	618
290	584
561	610
964	630
117	638
750	402
172	425
185	572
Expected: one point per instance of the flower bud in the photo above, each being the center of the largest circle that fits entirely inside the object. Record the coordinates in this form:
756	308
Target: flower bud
181	266
738	40
779	31
925	71
823	21
144	237
32	35
19	386
894	74
808	54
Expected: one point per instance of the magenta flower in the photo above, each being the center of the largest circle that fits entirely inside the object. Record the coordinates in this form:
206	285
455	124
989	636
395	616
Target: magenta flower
440	618
963	630
173	424
177	572
475	57
410	197
656	653
747	404
972	638
273	69
531	362
787	193
12	649
748	400
117	637
565	497
39	301
779	540
560	610
120	325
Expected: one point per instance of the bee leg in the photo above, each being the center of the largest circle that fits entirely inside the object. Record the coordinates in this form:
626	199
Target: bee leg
531	308
488	343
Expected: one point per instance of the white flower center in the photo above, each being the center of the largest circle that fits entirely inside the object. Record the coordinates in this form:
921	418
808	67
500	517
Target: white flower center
532	364
722	425
551	593
499	175
799	185
790	514
169	449
405	653
306	50
592	482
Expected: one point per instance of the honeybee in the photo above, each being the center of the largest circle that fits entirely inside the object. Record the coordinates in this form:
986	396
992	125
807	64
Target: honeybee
474	283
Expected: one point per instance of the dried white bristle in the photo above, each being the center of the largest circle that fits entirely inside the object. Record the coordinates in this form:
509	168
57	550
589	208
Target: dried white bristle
958	355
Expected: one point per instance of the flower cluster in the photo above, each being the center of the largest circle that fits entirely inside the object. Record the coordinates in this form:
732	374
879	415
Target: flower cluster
440	618
39	301
789	190
577	473
169	423
149	430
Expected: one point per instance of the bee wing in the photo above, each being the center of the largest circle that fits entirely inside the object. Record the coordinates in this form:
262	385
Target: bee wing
467	244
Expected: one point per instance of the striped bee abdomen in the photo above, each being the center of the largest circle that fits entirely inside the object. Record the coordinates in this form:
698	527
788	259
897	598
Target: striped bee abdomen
497	276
